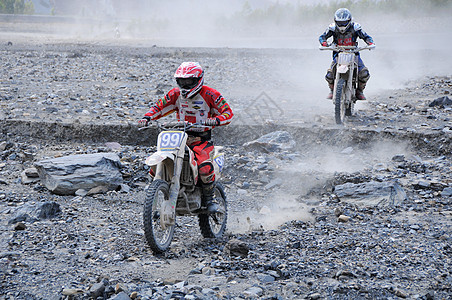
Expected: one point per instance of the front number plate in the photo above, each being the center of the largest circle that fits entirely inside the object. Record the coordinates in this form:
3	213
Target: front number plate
170	140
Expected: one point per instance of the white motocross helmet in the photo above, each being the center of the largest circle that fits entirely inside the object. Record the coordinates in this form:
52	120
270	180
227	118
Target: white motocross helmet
343	19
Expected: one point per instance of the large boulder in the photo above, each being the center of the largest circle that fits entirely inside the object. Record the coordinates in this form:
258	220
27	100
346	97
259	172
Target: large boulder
65	175
371	193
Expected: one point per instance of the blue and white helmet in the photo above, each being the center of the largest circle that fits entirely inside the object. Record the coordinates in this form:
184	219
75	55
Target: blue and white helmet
343	19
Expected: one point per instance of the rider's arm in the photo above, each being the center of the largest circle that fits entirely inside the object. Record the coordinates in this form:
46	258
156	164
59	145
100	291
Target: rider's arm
164	106
220	109
362	34
327	34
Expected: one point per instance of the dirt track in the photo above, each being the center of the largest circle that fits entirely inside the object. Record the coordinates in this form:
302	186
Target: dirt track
61	99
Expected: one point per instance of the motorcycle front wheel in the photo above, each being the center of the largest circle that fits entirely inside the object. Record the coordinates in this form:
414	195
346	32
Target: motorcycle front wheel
339	101
214	225
159	239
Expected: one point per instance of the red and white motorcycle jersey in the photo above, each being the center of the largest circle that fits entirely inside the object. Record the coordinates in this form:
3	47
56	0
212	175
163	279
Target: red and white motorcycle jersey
208	103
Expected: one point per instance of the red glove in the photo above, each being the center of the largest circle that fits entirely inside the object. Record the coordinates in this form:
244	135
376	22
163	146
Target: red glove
211	122
324	44
144	122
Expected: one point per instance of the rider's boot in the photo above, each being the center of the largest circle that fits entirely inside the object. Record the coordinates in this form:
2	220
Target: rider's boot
330	95
207	197
359	91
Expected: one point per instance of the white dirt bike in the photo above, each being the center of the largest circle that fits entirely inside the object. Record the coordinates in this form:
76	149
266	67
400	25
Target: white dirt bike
175	189
345	80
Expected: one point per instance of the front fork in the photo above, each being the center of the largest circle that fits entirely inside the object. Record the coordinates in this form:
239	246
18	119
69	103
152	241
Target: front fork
350	80
168	209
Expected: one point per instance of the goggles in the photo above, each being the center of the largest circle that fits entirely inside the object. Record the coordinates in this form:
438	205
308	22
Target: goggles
187	83
342	23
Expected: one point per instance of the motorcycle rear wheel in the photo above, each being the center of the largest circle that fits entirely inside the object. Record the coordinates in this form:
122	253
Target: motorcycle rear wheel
159	239
214	225
339	102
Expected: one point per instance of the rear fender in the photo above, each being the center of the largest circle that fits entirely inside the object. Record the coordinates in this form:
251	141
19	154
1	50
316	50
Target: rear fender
218	162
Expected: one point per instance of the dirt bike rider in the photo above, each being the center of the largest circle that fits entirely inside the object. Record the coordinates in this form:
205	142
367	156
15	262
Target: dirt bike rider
345	32
195	103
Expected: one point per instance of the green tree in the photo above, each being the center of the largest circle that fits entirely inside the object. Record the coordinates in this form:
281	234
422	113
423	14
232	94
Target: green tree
17	7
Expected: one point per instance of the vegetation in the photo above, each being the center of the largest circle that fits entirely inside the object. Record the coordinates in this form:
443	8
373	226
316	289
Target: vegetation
17	7
278	13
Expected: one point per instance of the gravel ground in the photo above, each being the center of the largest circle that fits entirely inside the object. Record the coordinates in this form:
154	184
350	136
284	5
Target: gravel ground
291	235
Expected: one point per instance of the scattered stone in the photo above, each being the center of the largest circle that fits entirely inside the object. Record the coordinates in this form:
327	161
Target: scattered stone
447	192
343	219
97	290
441	101
30	176
275	141
34	212
72	292
398	158
20	226
253	292
120	296
236	247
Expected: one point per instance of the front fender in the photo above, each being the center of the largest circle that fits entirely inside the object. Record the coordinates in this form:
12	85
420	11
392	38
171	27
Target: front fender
342	69
158	157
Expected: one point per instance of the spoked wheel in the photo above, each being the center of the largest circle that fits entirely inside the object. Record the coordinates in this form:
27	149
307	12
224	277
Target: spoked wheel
339	102
214	225
159	239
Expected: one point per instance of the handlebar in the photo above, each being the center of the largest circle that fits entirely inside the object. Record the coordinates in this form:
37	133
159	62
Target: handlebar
174	125
354	49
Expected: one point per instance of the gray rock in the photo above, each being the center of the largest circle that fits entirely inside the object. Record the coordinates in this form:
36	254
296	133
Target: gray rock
274	141
10	254
20	226
447	192
3	146
265	278
97	290
66	175
441	101
371	193
253	292
236	247
34	212
29	176
72	292
120	296
398	158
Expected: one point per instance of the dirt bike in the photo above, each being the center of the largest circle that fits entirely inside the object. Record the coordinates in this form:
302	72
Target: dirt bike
346	79
175	189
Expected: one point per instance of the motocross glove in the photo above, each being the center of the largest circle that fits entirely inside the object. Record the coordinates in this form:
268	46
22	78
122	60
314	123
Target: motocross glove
211	122
144	122
324	44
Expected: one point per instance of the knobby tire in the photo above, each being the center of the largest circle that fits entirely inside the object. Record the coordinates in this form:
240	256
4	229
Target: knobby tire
158	239
213	226
339	102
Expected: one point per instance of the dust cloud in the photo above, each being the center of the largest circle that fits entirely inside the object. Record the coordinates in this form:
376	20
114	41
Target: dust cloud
410	43
409	46
314	171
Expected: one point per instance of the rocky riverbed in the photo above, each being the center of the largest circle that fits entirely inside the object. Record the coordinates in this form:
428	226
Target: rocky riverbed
361	211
